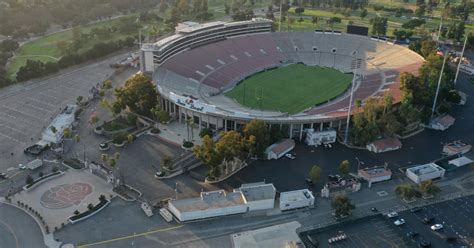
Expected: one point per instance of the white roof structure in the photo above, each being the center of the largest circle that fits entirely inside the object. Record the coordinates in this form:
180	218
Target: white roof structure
420	170
461	161
209	200
257	191
62	121
296	195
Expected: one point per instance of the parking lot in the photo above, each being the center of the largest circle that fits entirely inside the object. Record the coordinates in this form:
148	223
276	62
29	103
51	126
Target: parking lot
373	232
456	216
26	108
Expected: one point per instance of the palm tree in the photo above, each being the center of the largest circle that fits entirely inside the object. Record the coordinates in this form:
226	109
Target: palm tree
190	126
67	133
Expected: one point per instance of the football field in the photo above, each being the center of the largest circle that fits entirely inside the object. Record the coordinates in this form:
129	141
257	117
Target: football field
290	89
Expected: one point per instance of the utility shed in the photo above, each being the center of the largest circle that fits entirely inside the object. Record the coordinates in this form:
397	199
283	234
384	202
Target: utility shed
258	196
279	149
209	204
296	199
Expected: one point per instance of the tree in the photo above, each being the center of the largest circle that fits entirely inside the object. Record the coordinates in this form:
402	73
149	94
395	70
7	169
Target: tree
138	94
205	131
406	191
299	10
342	206
259	130
53	129
130	138
314	20
163	6
79	99
344	167
107	84
363	14
429	187
379	26
94	119
163	116
67	133
29	179
315	173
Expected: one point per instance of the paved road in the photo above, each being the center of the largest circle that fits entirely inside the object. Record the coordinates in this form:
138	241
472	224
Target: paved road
18	229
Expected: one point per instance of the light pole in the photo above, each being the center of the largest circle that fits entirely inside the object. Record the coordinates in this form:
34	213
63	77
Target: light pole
346	138
439	83
359	163
460	59
439	30
281	10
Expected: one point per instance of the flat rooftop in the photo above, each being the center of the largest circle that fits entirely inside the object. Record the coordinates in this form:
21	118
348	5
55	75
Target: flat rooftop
375	171
257	191
296	195
209	200
425	169
273	236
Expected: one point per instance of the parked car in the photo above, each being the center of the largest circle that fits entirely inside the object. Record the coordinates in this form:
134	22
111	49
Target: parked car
392	214
104	146
412	234
424	244
437	227
3	176
427	220
159	174
334	178
290	156
399	222
374	209
21	166
416	209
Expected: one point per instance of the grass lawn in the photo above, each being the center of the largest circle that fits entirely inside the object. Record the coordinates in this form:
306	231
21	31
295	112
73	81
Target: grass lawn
290	89
45	48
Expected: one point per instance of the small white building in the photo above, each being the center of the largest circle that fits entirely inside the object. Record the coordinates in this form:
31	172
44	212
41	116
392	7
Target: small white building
442	122
375	174
384	145
279	149
421	173
296	199
53	134
258	196
316	138
461	161
208	205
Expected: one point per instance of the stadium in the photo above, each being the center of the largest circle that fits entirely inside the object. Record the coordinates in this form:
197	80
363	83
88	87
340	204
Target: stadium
222	75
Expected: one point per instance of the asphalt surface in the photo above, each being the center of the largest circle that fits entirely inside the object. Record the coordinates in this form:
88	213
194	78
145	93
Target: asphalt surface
18	229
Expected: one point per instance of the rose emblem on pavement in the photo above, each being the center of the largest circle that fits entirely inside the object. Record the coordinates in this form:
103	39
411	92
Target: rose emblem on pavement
65	195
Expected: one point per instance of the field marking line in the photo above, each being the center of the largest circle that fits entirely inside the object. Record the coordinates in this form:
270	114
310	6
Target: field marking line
130	236
12	232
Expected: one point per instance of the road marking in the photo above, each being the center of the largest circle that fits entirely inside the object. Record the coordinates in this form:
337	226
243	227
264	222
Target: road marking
12	232
130	236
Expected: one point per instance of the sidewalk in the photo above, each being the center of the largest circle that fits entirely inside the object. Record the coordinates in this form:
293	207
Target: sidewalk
175	133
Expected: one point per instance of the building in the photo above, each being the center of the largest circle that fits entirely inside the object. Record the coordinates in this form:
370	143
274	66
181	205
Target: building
384	145
53	134
421	173
194	67
375	174
442	122
192	34
279	149
296	199
456	147
249	197
461	161
208	205
258	196
316	138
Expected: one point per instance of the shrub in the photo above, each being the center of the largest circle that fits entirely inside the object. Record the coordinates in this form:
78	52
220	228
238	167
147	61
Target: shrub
29	179
55	169
90	206
76	212
40	174
119	138
204	132
188	144
131	119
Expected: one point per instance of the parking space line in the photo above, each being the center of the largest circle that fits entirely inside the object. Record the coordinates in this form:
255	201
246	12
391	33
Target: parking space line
130	236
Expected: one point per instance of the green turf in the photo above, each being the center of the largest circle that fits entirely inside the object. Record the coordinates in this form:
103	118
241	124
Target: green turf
290	89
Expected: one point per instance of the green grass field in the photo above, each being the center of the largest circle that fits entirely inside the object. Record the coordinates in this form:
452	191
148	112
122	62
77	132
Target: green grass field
290	89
